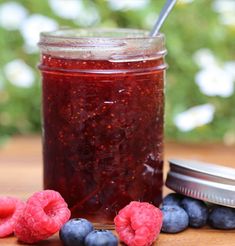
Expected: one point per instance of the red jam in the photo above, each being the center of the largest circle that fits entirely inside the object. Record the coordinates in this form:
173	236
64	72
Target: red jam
103	132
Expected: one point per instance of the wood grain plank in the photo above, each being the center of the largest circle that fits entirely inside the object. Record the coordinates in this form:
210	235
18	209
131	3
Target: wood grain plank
21	175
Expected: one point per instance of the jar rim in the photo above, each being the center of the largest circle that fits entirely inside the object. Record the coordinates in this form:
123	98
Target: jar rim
99	33
114	44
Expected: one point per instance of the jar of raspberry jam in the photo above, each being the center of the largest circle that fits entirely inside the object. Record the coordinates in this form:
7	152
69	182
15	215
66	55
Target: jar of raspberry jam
103	107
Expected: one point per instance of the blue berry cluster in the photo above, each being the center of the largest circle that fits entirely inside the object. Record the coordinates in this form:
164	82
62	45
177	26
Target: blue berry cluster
181	212
80	232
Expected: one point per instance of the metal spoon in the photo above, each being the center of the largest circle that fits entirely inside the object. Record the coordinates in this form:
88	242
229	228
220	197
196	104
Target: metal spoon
162	17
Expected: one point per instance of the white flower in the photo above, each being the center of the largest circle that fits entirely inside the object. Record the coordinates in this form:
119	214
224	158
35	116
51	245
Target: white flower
222	6
229	67
67	9
194	117
204	58
127	4
226	9
12	15
84	15
31	28
88	16
215	81
19	73
228	18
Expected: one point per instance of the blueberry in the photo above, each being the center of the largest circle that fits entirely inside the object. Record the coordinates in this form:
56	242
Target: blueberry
222	218
196	210
73	232
172	199
175	219
101	238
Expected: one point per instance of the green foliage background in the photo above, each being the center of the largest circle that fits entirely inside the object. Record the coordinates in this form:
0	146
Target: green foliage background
190	27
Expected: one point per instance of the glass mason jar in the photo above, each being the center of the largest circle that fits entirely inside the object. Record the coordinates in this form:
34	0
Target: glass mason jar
103	106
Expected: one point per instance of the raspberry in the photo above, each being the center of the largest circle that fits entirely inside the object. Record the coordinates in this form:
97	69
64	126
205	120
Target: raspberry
138	224
44	214
10	209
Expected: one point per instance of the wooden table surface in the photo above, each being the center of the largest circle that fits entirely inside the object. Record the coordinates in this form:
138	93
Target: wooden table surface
21	175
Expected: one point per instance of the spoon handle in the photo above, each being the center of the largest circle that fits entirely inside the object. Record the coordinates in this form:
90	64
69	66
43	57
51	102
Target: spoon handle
164	13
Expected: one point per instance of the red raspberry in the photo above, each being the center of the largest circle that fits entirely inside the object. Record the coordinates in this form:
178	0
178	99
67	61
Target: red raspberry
44	214
10	209
138	224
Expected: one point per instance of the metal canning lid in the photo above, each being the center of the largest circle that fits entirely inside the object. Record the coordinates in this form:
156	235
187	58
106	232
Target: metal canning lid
204	181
